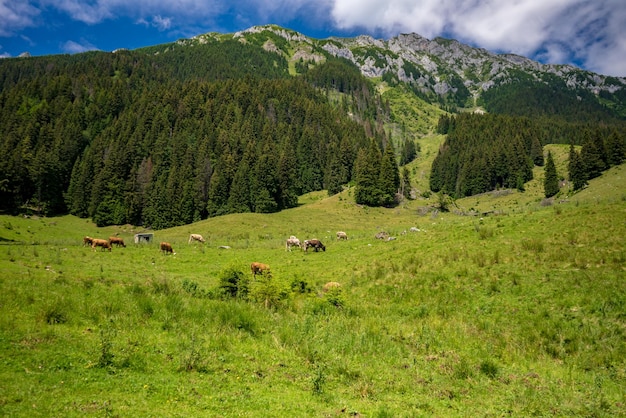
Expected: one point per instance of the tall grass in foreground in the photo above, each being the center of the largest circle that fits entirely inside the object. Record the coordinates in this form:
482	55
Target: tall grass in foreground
524	318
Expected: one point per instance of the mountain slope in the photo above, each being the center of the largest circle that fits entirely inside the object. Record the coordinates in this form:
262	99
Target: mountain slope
441	70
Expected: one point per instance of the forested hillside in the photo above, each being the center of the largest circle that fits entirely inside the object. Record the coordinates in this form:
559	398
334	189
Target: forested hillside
167	137
485	152
171	134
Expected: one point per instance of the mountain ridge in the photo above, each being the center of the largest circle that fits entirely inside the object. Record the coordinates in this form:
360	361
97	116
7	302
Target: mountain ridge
437	67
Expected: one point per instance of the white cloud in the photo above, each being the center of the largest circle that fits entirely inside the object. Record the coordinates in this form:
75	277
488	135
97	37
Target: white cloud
161	23
587	32
555	31
75	47
15	15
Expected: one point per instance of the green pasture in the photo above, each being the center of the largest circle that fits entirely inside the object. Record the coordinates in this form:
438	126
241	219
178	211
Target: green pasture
521	312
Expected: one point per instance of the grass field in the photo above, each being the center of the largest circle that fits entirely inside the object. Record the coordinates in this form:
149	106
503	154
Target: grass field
519	313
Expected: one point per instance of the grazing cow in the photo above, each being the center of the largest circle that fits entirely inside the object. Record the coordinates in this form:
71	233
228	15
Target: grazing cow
292	241
342	235
315	244
166	247
117	241
87	241
196	237
95	242
331	286
259	268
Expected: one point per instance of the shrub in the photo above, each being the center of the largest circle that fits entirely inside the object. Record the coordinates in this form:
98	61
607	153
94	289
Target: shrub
267	291
300	286
234	284
334	297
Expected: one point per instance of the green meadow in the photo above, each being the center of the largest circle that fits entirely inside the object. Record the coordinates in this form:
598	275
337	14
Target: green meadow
519	312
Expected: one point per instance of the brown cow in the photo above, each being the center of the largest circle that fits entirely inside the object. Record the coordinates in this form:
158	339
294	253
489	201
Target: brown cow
100	243
166	247
87	241
315	244
117	241
259	268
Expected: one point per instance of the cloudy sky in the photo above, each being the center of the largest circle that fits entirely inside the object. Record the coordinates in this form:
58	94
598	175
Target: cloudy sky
587	33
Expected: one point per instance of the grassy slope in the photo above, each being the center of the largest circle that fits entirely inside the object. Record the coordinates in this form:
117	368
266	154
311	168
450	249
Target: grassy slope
518	314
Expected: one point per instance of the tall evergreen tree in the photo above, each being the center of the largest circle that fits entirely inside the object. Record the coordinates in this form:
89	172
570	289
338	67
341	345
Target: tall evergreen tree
576	168
389	177
551	179
615	149
333	181
287	169
593	156
536	152
367	170
405	182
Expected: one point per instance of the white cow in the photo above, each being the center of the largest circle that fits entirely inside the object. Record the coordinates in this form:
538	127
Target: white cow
292	241
195	237
342	235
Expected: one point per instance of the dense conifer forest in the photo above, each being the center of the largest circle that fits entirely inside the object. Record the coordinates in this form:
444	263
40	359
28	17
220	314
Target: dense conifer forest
163	139
485	152
172	134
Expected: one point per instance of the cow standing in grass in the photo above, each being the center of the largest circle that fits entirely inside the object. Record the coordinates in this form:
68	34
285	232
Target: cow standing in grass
342	235
166	248
259	268
88	241
117	241
196	237
95	243
315	244
292	241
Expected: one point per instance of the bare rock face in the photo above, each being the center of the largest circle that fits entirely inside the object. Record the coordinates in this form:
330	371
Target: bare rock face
439	66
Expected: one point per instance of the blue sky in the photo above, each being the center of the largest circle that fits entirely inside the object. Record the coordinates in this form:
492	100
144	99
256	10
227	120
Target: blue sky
587	33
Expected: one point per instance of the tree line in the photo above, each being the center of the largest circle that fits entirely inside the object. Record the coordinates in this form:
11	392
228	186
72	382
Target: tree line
486	152
168	138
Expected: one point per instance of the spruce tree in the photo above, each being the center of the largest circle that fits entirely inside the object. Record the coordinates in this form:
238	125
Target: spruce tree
405	183
333	181
389	177
536	152
551	179
367	169
615	149
576	167
593	156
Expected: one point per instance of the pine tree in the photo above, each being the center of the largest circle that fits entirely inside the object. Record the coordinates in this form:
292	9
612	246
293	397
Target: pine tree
389	177
536	152
615	149
551	179
367	169
405	183
333	181
593	156
576	167
287	169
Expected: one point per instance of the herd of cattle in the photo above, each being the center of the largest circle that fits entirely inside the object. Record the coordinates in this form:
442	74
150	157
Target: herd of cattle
256	267
166	247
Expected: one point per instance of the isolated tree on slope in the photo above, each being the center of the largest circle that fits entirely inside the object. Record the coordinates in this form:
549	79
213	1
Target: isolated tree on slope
389	178
577	173
551	179
367	168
